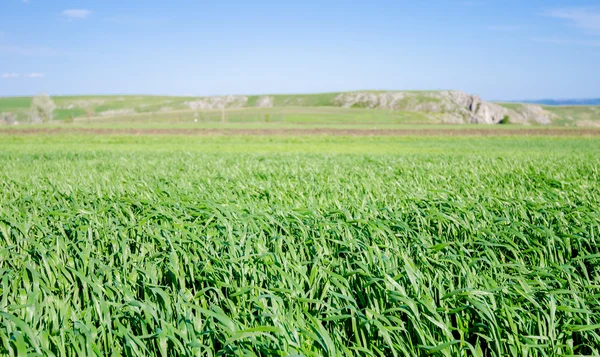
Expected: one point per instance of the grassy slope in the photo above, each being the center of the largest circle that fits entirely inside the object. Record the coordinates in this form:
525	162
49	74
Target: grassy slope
17	105
570	114
82	106
293	108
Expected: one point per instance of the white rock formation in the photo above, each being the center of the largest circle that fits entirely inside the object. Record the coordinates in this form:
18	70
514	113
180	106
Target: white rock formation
449	106
213	103
265	102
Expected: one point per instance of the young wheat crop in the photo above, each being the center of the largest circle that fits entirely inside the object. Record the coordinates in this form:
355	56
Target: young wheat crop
173	253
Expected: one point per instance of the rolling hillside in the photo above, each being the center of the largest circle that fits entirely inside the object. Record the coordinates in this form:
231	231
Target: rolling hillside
365	107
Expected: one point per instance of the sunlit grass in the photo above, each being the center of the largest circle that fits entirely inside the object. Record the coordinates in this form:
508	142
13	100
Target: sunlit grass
162	246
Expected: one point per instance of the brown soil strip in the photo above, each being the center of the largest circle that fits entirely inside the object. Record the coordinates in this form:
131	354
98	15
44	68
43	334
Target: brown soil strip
314	131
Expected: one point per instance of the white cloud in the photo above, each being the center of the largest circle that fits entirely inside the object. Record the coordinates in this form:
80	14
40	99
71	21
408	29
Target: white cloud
586	19
566	41
27	50
26	1
26	75
76	14
583	18
135	20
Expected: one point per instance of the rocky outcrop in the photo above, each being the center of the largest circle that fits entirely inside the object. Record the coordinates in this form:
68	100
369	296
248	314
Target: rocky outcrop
533	113
389	100
265	102
213	103
117	112
447	106
8	118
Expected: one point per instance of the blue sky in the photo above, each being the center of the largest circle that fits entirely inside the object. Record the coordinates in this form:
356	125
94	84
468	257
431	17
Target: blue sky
499	49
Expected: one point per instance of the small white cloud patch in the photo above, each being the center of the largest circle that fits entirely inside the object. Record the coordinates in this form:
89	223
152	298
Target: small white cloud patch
27	50
76	14
584	18
26	75
566	41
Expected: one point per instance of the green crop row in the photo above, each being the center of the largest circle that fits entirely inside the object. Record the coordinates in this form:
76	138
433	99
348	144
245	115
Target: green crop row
177	253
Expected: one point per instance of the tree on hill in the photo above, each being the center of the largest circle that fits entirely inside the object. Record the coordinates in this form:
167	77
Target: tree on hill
42	108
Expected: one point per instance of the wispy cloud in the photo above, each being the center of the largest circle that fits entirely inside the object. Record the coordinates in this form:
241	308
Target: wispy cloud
586	19
27	50
26	75
26	1
583	18
135	20
34	75
76	14
566	41
506	28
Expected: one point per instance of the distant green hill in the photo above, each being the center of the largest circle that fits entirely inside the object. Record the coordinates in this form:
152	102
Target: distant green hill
342	107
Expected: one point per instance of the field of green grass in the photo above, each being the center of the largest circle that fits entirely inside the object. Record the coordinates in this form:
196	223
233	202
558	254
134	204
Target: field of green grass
299	246
285	115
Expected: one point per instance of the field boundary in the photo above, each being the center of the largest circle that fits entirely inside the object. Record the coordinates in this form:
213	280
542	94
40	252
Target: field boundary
303	132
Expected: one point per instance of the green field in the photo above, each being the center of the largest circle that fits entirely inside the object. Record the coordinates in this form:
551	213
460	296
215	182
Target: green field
299	246
284	115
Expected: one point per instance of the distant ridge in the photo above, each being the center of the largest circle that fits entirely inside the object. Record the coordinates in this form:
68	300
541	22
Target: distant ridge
591	101
432	107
